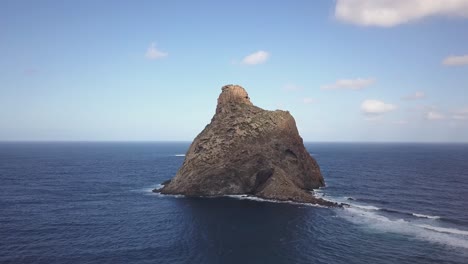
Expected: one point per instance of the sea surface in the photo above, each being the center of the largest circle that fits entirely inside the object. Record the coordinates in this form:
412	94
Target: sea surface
92	203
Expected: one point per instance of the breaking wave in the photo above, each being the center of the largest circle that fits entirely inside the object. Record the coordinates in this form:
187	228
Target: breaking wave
424	227
257	199
149	189
426	216
445	230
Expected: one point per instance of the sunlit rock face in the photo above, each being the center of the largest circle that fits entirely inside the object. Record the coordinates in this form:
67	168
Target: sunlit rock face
248	150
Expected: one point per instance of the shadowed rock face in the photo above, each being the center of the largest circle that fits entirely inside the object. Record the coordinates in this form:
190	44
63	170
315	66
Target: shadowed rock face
248	150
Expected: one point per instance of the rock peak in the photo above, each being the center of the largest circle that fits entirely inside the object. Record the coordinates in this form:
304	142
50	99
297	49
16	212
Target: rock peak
231	95
251	151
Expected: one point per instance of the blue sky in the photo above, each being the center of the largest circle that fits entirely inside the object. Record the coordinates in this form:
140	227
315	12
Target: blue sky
348	70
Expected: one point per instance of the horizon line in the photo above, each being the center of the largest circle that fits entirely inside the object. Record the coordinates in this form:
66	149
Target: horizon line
190	141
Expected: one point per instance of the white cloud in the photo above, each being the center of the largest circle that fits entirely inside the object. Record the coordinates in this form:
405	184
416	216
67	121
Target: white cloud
456	60
400	122
461	114
256	58
388	13
292	87
153	53
373	118
414	96
351	84
434	115
308	100
373	107
460	117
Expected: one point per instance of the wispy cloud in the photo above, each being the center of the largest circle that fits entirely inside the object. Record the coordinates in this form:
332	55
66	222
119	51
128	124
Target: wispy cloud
434	115
291	87
414	96
400	122
456	60
374	108
460	117
351	84
385	13
152	53
460	114
308	100
258	57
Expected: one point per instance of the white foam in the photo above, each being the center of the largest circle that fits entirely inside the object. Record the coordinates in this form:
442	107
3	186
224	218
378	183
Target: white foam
257	199
366	207
445	230
361	215
179	155
168	195
245	197
237	196
160	186
320	194
426	216
148	189
369	216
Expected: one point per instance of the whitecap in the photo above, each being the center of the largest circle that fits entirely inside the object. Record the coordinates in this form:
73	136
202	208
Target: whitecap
179	155
426	216
148	189
366	207
445	230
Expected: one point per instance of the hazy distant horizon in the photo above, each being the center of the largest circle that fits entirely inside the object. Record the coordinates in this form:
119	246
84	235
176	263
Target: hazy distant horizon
190	141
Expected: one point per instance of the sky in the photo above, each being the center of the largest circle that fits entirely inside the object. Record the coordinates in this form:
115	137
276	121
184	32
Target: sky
347	70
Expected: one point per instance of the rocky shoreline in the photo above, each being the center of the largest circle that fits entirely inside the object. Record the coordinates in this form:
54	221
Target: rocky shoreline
317	201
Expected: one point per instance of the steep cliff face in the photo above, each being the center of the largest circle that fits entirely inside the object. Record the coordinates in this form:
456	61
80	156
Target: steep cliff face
248	150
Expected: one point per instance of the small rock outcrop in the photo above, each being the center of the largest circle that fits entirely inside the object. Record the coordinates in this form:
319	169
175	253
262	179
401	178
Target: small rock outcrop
248	150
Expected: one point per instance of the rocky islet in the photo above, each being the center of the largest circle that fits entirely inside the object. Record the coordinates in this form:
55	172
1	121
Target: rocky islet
248	150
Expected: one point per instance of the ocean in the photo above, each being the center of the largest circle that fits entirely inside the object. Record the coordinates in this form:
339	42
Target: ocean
87	202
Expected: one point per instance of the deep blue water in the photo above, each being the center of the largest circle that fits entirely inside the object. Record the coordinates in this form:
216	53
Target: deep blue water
91	203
